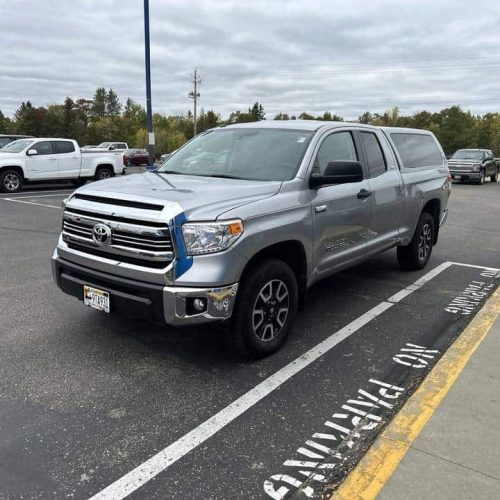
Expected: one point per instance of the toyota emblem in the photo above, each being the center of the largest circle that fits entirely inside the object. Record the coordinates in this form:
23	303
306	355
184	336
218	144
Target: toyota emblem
101	234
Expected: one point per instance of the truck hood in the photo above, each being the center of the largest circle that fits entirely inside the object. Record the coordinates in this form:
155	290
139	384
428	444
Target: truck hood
199	198
6	158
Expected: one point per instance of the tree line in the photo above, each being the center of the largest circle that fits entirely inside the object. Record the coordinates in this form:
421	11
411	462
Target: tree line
105	118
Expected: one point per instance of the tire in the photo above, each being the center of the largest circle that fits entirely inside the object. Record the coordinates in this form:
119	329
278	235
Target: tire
11	181
129	163
264	311
103	173
494	177
482	178
416	255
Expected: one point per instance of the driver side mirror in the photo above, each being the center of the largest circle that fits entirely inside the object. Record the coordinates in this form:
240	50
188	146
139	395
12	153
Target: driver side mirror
32	152
112	148
338	172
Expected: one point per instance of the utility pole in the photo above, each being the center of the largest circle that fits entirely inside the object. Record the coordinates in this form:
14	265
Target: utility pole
194	94
149	115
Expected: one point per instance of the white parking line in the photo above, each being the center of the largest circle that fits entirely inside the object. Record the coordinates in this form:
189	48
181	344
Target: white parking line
38	196
39	192
146	471
31	203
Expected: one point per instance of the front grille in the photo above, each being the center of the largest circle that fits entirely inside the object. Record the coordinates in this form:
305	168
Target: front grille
137	242
457	167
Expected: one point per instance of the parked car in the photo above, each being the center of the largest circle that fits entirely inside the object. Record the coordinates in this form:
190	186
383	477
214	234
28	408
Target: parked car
473	165
111	146
7	138
47	159
166	156
135	157
243	239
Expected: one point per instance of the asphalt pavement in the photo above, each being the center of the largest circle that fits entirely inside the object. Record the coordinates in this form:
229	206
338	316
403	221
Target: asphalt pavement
95	404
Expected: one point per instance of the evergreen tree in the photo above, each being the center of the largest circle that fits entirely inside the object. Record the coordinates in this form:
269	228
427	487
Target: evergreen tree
113	106
98	108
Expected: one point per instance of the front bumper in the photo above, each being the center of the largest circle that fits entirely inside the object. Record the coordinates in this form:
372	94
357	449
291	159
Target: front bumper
160	304
465	176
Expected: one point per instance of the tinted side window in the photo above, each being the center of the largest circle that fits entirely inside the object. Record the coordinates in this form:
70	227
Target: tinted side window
374	154
337	146
4	141
43	148
417	150
64	147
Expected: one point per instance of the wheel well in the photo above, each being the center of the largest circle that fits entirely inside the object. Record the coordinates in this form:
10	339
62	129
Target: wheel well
15	167
433	207
291	252
105	165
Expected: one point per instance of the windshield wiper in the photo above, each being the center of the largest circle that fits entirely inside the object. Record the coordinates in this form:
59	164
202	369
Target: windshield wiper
222	176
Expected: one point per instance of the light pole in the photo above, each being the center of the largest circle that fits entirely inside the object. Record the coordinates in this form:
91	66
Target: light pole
194	94
149	114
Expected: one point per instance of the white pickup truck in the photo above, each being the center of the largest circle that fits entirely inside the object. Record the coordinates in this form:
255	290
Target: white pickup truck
48	159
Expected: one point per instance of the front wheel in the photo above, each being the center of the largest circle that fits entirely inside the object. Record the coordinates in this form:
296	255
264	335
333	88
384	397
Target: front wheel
11	181
494	177
265	309
482	177
416	255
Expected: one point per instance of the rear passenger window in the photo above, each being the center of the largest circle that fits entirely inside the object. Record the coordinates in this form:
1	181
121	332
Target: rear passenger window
338	146
417	150
65	147
374	153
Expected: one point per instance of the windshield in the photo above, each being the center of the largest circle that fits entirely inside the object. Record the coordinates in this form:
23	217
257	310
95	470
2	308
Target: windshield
252	154
16	146
104	145
468	154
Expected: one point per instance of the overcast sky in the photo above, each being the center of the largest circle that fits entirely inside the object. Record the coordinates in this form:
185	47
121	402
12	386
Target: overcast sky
345	57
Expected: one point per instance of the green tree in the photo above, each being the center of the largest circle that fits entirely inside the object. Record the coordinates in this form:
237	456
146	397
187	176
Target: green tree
113	106
98	108
257	112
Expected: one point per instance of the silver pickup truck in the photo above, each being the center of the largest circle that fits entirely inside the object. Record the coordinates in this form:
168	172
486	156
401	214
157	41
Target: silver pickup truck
243	219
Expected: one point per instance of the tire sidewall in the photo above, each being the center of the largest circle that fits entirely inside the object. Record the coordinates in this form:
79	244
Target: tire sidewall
242	326
4	174
425	218
101	171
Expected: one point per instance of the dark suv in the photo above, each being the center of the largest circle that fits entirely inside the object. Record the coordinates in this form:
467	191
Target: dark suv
7	138
473	165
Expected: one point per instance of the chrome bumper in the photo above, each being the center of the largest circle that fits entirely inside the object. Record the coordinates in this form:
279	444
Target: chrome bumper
178	308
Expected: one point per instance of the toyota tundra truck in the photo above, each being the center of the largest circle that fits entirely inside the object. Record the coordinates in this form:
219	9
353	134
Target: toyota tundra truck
241	221
47	159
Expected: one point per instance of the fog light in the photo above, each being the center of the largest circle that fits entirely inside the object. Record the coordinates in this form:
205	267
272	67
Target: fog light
199	304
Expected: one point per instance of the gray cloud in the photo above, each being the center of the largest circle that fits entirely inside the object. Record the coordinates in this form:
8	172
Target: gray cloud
323	55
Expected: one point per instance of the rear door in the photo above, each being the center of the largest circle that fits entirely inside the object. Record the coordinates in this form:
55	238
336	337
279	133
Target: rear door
386	185
341	216
68	159
43	164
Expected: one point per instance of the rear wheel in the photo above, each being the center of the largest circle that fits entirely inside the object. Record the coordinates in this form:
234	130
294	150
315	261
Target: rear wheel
416	255
103	173
265	309
11	181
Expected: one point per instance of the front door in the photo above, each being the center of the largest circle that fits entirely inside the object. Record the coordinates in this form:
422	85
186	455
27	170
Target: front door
341	215
43	163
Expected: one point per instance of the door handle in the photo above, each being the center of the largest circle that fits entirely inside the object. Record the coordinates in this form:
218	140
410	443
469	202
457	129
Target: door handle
364	193
320	208
52	158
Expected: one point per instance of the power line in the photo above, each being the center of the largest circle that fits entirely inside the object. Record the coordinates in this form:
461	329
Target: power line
194	94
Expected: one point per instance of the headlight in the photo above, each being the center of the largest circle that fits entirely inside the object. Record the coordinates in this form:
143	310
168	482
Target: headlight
476	167
211	237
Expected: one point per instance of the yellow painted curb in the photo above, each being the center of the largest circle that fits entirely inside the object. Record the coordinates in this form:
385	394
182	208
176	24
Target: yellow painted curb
376	467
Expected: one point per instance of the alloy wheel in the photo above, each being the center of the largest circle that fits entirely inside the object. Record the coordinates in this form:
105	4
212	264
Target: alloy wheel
11	182
425	242
270	310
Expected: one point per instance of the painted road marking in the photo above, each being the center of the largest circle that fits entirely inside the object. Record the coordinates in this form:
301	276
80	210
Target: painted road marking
158	463
62	191
31	203
377	466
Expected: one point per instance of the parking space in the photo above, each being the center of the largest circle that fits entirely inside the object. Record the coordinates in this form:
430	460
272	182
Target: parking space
95	404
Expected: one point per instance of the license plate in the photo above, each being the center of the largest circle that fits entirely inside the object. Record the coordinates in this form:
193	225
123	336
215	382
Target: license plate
98	299
458	177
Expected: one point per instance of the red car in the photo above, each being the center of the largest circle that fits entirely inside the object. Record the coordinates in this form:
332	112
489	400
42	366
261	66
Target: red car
135	157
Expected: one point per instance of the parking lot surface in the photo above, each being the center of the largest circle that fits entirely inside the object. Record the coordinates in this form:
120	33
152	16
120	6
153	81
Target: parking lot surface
96	404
